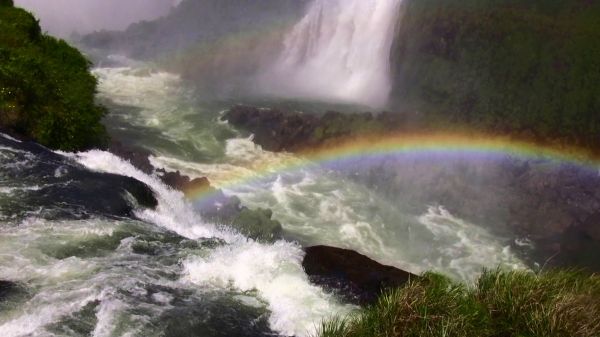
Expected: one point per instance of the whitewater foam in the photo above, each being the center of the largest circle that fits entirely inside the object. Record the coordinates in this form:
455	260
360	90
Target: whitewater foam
467	246
9	137
339	51
273	270
173	211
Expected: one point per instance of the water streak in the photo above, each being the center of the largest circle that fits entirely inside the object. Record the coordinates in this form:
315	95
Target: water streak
339	51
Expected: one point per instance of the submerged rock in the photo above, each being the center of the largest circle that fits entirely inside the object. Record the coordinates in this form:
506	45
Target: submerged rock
138	157
184	183
258	224
6	289
356	277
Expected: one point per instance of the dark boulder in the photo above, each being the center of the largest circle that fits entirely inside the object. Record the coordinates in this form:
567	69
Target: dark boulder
281	130
138	157
58	187
182	182
273	129
7	288
355	277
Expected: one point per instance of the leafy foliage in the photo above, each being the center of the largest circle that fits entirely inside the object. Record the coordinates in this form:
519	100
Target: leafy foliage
525	67
46	88
502	304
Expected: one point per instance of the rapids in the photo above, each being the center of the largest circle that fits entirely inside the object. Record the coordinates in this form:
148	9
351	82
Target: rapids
168	272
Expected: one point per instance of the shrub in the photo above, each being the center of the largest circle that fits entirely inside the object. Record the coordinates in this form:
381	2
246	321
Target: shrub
46	89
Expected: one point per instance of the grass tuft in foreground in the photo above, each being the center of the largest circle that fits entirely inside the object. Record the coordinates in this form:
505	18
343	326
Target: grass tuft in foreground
501	304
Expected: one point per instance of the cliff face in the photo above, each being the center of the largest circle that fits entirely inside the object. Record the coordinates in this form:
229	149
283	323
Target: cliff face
530	68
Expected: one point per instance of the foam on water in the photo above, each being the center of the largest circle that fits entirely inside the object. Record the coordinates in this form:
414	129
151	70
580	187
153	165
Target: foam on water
141	88
62	286
467	246
173	212
276	273
273	270
47	310
165	114
9	137
107	312
315	206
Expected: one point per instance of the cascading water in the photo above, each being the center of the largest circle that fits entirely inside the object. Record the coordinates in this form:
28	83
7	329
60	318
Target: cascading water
339	51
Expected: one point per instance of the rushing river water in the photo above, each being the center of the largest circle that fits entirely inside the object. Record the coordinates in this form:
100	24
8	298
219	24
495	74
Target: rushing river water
170	273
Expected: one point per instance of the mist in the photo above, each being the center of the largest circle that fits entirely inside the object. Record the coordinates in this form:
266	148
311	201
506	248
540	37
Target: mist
65	17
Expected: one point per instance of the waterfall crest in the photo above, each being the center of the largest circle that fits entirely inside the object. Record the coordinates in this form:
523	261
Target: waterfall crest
339	51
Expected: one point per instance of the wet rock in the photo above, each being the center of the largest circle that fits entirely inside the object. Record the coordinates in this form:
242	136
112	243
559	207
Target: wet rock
138	157
258	225
55	186
279	130
356	277
226	210
183	183
273	129
6	289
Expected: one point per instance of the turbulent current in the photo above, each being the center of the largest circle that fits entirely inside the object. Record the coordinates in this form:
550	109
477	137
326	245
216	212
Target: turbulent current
81	271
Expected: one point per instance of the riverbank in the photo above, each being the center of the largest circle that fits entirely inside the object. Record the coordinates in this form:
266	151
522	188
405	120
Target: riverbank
502	303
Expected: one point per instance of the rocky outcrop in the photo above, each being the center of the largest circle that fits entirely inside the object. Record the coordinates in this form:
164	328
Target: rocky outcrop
225	210
280	130
138	157
61	188
184	183
355	277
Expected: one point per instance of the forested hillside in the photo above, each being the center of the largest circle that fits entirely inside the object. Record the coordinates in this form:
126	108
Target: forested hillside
528	68
46	89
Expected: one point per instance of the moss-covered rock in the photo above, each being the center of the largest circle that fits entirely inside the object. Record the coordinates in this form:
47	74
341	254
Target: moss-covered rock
530	68
46	89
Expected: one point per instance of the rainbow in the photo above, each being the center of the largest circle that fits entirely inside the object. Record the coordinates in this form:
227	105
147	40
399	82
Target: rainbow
368	149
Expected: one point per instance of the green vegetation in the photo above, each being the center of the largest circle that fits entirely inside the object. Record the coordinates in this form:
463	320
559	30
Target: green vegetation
530	68
46	89
502	304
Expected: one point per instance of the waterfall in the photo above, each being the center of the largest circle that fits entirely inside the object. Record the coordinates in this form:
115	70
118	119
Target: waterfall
339	51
